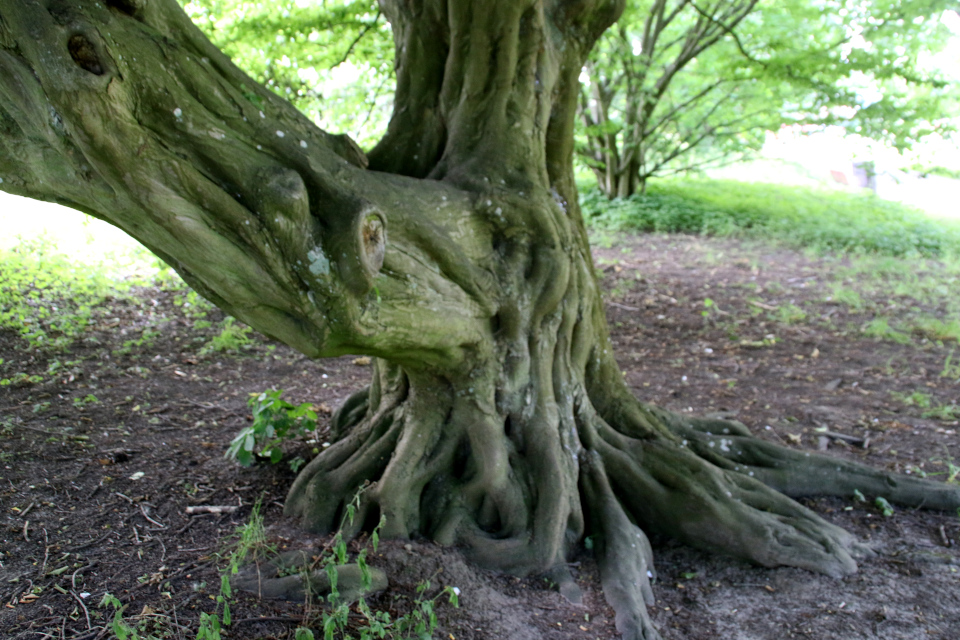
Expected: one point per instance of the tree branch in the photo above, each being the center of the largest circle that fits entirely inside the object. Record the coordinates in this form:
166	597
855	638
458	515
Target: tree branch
728	29
138	120
359	37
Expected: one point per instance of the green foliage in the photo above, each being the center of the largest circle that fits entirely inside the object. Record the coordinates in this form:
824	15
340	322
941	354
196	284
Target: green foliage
950	369
678	87
943	412
121	630
789	314
880	328
953	470
86	400
145	341
233	337
419	623
796	216
249	541
49	300
333	60
274	421
937	329
885	507
847	296
915	399
192	305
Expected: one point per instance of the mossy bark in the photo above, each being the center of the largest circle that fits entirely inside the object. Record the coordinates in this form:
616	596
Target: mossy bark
497	419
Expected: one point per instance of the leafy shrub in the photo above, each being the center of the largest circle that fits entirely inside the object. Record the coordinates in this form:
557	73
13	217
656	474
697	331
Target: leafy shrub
274	421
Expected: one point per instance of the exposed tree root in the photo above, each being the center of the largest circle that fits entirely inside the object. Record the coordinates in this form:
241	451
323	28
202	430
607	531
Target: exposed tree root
623	551
730	446
294	576
443	467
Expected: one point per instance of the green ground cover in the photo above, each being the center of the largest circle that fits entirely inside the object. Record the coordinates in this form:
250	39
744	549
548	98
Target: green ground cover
802	217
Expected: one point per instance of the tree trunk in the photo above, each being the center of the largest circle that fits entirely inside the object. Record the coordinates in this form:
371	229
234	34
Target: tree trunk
497	419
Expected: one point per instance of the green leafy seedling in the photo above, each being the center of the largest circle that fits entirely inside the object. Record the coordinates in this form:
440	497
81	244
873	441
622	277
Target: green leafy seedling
885	507
274	421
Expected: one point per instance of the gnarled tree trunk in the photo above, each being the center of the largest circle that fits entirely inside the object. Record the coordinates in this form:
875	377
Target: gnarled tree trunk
497	419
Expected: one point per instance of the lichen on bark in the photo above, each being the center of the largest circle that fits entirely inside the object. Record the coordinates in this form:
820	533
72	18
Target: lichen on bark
497	419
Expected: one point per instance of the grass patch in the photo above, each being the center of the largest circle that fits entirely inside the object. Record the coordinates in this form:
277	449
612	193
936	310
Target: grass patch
796	216
50	300
936	329
880	328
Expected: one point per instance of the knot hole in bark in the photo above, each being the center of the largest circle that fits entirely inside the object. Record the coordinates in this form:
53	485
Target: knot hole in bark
132	8
84	53
373	241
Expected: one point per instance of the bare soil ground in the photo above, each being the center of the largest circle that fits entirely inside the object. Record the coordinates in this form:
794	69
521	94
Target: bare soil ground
99	462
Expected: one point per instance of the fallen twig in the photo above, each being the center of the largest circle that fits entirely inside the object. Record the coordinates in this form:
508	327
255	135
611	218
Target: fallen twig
84	607
161	525
766	307
840	436
210	509
92	542
39	430
46	554
73	578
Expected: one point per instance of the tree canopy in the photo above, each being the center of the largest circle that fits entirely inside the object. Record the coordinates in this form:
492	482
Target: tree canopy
672	87
682	85
299	49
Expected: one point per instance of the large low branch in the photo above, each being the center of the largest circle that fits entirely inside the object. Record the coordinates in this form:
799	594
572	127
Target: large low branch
124	110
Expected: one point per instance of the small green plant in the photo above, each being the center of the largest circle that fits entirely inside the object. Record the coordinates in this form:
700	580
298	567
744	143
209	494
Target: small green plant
145	341
710	310
943	412
848	297
193	305
885	507
86	400
21	379
419	623
249	541
914	399
880	328
789	314
233	337
950	369
121	630
953	471
274	421
936	329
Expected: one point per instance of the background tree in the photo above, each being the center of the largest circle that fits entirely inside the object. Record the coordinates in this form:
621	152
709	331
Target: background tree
681	85
497	419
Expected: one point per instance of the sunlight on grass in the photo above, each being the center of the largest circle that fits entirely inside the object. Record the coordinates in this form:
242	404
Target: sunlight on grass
825	220
84	240
58	267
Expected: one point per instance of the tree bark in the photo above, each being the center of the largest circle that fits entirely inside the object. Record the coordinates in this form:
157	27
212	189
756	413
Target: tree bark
497	419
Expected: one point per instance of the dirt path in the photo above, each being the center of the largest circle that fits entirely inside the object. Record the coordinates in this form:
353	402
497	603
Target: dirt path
100	460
